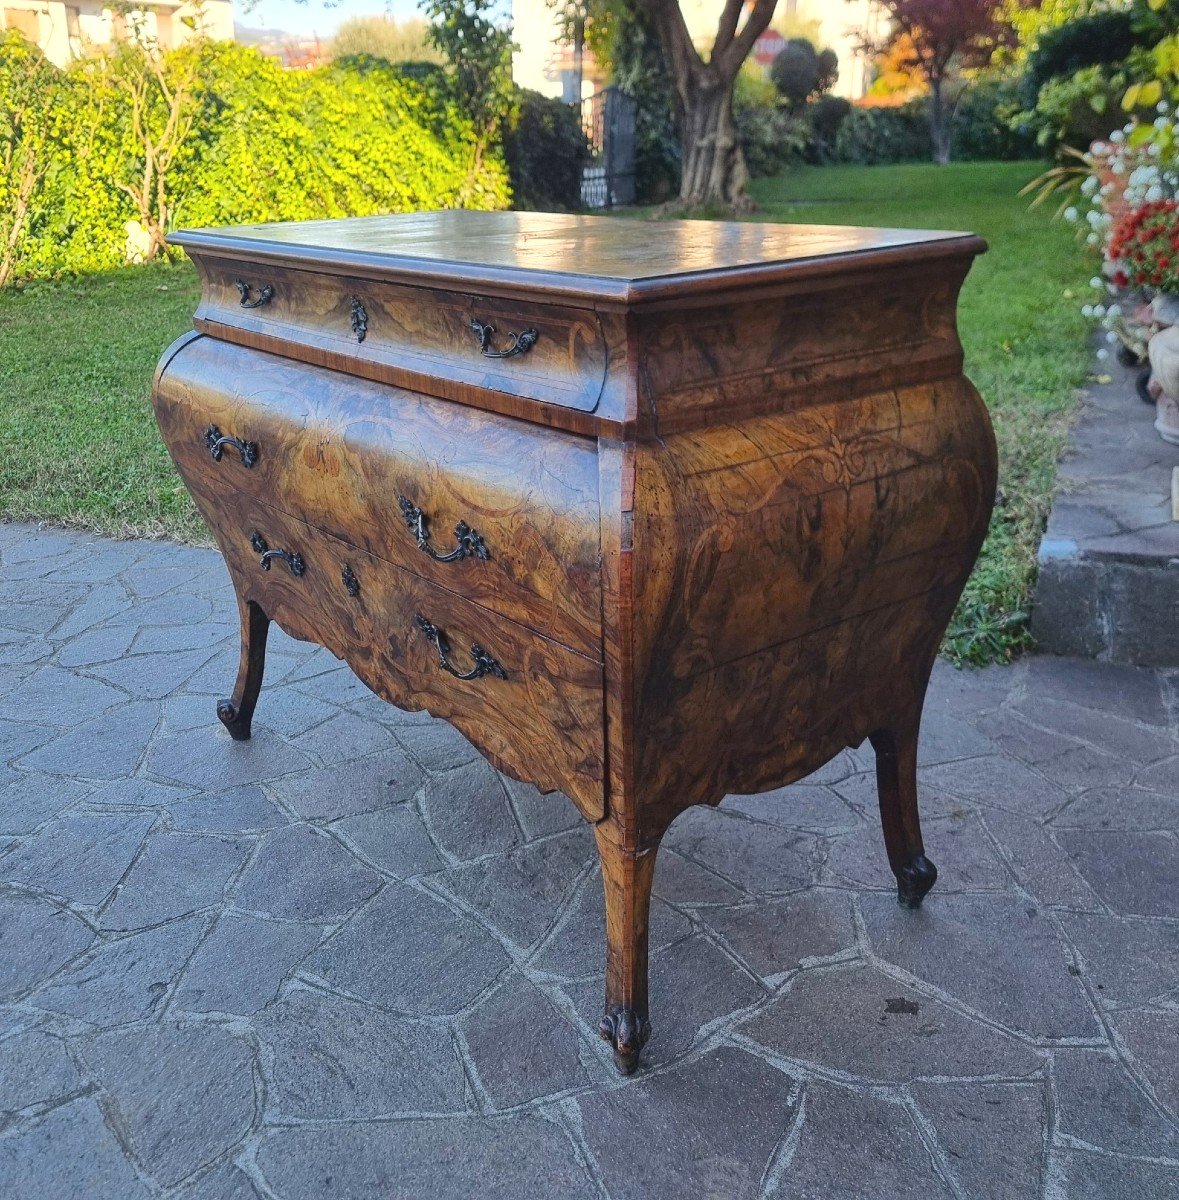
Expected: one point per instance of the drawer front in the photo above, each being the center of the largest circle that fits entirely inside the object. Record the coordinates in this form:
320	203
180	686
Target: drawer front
500	511
442	342
533	707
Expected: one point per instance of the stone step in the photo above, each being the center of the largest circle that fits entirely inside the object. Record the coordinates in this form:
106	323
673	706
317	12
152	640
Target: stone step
1108	583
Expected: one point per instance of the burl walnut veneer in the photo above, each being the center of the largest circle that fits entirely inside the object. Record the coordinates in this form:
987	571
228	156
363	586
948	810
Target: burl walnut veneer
651	512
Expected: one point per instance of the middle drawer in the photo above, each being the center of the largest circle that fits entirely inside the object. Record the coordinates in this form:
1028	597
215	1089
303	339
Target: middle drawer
497	510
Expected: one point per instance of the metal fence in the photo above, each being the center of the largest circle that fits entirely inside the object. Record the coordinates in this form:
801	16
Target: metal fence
608	179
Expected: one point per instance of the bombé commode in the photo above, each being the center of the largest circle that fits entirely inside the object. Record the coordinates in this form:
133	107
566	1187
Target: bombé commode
652	512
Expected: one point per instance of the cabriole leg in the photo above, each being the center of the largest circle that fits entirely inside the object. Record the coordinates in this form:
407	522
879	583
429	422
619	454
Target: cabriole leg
627	877
896	784
237	712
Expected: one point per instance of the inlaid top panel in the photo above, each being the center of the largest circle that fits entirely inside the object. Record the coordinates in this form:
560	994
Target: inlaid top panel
593	257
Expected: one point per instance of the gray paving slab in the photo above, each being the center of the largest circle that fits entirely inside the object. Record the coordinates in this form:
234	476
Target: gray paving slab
350	960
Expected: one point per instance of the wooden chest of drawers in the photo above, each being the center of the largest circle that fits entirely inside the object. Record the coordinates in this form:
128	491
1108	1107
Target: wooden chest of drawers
651	512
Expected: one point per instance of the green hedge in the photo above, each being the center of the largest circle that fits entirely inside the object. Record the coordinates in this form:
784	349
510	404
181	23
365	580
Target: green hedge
982	130
266	144
545	148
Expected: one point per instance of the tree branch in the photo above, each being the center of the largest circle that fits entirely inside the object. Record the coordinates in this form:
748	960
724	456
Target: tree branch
727	26
729	62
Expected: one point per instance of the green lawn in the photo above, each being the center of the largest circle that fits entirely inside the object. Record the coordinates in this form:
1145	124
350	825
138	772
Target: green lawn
80	447
80	444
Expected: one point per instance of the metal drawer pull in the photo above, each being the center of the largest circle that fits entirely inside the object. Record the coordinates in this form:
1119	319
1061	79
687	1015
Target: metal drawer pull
292	558
519	343
216	441
359	319
470	544
265	295
484	663
351	583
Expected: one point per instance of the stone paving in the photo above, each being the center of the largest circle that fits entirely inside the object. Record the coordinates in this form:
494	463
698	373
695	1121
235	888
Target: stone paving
349	960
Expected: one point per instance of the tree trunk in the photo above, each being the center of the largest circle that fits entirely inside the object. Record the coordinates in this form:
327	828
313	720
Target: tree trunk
714	171
940	123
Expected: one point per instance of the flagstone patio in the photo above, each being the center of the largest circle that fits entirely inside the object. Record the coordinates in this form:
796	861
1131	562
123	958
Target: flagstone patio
349	960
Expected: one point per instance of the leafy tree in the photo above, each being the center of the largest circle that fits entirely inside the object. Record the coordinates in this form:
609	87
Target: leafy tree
28	85
163	106
802	73
379	37
946	38
714	170
479	52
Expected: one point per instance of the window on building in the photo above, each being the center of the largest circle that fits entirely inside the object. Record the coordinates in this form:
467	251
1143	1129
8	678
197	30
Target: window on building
24	21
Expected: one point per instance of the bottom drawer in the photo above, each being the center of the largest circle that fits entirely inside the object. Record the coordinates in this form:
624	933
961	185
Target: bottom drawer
533	707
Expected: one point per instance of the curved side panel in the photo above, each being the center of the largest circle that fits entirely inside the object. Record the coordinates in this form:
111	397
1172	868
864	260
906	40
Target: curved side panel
793	578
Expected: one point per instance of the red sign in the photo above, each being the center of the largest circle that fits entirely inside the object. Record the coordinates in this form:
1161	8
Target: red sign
768	47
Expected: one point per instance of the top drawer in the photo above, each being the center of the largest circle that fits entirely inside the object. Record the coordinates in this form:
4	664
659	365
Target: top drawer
441	342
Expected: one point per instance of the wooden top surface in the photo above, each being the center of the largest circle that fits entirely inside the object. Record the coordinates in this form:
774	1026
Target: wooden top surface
594	258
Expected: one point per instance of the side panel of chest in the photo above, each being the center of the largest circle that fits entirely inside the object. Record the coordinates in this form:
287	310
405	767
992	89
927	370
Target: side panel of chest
791	578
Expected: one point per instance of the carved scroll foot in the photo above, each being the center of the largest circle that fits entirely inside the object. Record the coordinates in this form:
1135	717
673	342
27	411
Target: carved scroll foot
896	785
627	1032
237	713
914	880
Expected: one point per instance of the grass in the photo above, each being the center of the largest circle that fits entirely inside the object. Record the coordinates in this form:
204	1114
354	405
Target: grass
80	446
1027	347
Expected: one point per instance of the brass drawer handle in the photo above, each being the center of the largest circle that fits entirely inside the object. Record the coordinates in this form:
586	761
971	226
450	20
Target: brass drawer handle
216	441
484	663
265	295
292	558
470	544
351	582
518	343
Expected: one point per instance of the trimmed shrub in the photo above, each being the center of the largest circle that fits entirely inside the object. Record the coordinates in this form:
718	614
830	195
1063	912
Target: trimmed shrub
984	127
1074	110
1101	38
824	116
545	149
871	136
265	144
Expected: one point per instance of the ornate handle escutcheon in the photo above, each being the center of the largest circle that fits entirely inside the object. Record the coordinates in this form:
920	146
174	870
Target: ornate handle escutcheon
484	663
264	296
359	319
292	558
518	343
470	544
216	441
351	583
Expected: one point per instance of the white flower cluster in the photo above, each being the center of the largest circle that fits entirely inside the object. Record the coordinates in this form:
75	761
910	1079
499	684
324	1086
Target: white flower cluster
1130	168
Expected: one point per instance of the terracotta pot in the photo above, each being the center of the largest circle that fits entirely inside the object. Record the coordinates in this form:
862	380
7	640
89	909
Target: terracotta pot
1164	367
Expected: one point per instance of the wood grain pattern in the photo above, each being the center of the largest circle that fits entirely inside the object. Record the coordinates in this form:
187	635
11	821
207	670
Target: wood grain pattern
730	513
543	723
554	256
339	453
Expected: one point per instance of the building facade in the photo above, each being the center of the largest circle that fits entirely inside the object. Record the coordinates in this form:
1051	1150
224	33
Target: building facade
68	31
545	60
